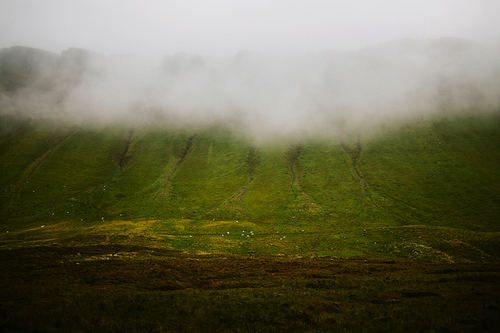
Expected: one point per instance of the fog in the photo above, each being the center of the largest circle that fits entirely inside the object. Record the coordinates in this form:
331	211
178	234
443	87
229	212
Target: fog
266	68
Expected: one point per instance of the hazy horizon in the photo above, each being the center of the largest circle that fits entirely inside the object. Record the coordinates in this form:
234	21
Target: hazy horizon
224	28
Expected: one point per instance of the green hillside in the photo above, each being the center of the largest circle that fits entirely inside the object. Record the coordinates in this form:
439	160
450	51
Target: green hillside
438	178
125	206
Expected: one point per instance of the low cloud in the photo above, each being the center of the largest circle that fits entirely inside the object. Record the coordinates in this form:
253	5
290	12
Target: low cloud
258	93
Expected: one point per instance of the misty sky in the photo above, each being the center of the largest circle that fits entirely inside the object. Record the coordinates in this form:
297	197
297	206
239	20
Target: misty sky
224	27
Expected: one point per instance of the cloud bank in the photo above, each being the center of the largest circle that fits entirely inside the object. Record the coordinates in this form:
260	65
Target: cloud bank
259	93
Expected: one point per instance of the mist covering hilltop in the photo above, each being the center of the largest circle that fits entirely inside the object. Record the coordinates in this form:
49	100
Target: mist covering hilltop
257	93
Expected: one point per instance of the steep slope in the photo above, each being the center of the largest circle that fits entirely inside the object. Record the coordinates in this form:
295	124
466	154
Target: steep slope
443	172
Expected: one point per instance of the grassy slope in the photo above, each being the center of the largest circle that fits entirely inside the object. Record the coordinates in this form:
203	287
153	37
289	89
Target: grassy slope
124	217
444	174
214	169
366	196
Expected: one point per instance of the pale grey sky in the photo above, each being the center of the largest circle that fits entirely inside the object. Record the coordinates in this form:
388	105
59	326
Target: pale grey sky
225	27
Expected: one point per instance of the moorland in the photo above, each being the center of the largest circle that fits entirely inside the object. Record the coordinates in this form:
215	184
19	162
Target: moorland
120	227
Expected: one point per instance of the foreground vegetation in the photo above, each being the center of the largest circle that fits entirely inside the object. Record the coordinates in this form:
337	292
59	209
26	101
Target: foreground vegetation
137	289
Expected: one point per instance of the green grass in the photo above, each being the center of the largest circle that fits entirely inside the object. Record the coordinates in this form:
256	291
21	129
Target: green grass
213	170
434	173
269	192
437	174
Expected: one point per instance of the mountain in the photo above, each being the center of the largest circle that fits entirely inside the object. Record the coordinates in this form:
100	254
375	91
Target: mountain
132	202
441	174
420	187
20	66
